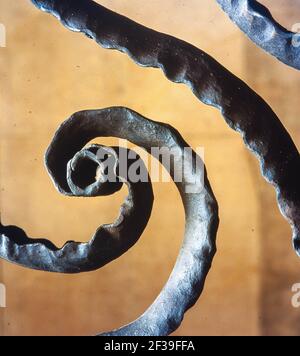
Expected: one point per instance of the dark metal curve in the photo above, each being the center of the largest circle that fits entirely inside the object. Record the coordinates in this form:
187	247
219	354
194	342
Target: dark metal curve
256	21
244	110
194	261
188	277
109	241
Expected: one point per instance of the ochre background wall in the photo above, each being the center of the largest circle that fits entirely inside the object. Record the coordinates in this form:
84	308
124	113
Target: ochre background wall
46	74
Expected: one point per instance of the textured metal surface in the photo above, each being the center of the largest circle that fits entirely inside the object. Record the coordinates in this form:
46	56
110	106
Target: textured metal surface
259	25
63	160
73	168
243	110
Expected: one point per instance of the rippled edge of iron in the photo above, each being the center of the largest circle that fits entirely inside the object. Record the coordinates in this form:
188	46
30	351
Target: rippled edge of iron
243	109
257	22
186	282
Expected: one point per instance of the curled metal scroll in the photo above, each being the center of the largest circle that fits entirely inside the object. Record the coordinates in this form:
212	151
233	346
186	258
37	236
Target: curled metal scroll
72	168
243	110
256	21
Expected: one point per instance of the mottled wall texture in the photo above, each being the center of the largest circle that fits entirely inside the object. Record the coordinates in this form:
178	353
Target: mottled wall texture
46	74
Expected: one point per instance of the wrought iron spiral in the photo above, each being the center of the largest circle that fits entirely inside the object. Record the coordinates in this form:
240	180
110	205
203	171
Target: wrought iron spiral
243	110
